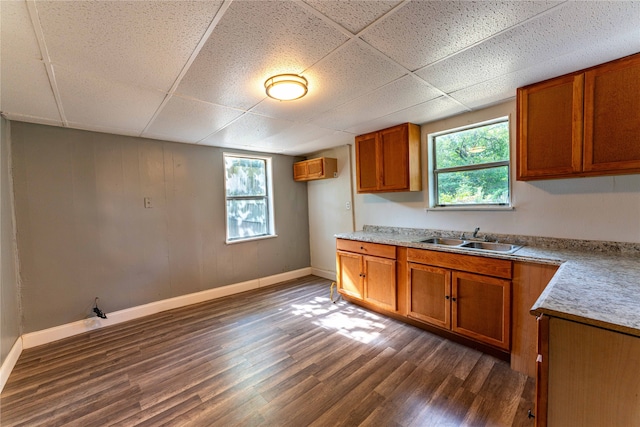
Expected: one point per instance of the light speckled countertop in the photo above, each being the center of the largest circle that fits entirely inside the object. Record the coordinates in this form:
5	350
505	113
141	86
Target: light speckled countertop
597	283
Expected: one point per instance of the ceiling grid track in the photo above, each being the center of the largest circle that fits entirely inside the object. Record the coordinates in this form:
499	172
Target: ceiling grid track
44	53
214	22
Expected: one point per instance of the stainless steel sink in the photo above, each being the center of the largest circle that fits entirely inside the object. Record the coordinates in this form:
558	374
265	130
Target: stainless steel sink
491	246
442	241
505	248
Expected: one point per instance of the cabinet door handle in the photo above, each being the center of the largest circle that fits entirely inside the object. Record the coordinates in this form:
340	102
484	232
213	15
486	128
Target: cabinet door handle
446	297
453	299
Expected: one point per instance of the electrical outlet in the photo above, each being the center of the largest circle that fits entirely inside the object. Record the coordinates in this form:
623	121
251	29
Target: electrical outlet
348	205
147	203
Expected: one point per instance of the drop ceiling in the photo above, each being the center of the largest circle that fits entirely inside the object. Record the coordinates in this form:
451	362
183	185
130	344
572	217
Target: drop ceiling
194	71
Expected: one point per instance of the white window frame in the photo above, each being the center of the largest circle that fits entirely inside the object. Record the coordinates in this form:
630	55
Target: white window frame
271	230
433	178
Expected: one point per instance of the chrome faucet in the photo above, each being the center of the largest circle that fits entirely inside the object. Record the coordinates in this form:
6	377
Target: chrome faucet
475	232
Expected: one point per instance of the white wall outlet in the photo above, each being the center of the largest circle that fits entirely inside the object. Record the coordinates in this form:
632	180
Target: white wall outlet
348	205
147	203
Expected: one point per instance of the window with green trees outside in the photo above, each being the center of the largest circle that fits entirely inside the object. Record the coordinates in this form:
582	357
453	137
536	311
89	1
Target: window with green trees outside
471	165
248	192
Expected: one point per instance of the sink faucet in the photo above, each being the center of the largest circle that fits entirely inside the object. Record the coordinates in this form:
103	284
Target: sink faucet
475	232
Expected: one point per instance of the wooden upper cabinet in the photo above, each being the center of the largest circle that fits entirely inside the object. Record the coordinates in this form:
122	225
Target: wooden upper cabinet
320	168
583	124
389	160
550	128
612	117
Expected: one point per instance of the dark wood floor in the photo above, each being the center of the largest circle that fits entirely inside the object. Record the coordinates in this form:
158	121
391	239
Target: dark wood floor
278	356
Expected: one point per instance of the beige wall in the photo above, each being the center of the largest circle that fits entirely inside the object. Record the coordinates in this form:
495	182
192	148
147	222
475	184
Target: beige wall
83	231
328	213
10	327
602	208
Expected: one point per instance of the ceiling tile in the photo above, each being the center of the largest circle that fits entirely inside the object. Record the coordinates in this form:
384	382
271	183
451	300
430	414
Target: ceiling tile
354	15
330	140
429	111
106	104
352	71
253	41
26	90
422	32
574	27
504	87
140	42
398	95
290	140
188	120
248	130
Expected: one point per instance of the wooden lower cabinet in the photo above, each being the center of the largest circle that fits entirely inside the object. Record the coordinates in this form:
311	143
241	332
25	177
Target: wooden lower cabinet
481	308
370	278
350	274
429	294
592	377
472	305
380	282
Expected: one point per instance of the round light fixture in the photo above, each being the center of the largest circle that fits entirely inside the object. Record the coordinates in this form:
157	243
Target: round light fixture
286	87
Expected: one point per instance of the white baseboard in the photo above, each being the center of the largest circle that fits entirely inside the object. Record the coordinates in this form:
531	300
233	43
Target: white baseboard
45	336
330	275
10	362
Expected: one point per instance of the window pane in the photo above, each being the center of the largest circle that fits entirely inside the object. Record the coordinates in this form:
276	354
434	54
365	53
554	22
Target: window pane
474	146
482	186
247	218
246	177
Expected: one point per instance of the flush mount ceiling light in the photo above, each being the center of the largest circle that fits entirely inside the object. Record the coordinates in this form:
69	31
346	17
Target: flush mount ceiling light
286	87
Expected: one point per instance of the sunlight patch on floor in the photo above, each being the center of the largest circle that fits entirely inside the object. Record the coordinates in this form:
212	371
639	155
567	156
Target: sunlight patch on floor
351	322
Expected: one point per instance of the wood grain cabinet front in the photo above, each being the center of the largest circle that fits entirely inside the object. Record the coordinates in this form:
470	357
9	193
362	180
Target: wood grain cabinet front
312	169
469	304
585	123
367	271
389	160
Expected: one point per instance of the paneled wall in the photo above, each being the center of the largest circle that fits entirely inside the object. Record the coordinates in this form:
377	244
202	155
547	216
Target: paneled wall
83	230
10	328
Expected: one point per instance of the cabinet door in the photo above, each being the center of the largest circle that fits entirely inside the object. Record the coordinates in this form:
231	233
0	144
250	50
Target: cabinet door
481	308
380	282
300	171
366	162
612	118
428	296
350	280
394	158
550	122
315	168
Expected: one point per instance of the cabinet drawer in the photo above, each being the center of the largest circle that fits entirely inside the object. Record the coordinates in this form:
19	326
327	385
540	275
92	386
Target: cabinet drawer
366	248
474	264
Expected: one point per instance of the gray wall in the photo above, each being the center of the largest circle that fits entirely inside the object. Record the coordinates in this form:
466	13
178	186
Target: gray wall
10	329
83	230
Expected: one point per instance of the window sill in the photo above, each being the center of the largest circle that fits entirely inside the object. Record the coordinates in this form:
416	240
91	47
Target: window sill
469	208
250	239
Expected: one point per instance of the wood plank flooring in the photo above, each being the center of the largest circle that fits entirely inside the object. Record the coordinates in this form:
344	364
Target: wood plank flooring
278	356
